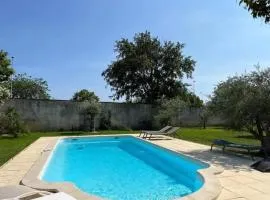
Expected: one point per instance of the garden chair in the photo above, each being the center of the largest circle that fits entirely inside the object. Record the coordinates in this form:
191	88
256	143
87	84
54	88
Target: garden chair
224	144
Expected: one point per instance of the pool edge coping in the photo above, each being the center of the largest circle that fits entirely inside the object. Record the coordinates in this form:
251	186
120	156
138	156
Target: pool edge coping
210	190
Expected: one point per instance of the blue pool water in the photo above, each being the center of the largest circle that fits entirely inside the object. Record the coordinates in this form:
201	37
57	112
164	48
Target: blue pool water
123	168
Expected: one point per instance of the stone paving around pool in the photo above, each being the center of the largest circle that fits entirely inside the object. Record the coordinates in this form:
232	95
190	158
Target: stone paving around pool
238	180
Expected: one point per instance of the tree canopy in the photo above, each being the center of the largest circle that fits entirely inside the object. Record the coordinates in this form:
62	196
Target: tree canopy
258	8
6	72
27	87
147	70
191	99
6	69
244	102
85	95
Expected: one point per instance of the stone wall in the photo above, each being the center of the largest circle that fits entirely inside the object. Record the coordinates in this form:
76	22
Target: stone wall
54	115
48	115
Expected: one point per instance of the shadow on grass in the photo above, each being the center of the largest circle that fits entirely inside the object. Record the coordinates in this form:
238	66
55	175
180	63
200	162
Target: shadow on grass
216	127
158	138
73	133
250	137
210	127
78	133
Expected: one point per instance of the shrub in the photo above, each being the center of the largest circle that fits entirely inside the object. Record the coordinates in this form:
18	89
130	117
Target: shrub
145	125
4	94
10	123
91	112
105	120
169	111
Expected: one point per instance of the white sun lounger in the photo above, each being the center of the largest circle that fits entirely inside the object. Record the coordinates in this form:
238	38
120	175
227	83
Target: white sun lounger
172	131
14	191
20	192
57	196
144	133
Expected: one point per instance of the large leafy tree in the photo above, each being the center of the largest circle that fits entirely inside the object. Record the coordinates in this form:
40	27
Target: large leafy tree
147	70
244	102
6	72
27	87
258	8
85	95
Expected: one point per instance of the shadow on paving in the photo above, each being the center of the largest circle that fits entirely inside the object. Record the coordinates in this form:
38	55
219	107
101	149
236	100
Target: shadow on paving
227	160
158	138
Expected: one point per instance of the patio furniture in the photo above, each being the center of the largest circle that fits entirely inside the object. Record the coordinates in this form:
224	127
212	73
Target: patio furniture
20	192
164	129
224	144
172	131
57	196
15	191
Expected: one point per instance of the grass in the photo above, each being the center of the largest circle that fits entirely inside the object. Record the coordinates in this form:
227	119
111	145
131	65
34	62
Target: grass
206	136
9	147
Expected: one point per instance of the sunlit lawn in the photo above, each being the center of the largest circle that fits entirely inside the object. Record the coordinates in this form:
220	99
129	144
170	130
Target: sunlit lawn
9	147
206	136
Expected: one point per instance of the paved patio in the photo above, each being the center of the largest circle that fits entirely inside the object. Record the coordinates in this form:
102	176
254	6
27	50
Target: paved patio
238	180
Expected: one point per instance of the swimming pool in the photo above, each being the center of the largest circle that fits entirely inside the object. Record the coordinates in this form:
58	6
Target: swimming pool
123	168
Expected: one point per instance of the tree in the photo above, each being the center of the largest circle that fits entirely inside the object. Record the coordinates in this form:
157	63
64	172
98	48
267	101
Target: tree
204	114
91	112
244	102
6	72
85	95
169	111
146	70
258	8
27	87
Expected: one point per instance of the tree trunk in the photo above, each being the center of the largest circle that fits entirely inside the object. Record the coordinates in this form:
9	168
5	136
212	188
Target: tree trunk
204	124
259	128
92	123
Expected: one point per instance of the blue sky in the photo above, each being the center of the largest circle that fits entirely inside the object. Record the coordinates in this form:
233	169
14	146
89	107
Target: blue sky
69	43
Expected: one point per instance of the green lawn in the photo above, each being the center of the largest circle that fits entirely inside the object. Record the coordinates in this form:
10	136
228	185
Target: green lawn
206	136
9	147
